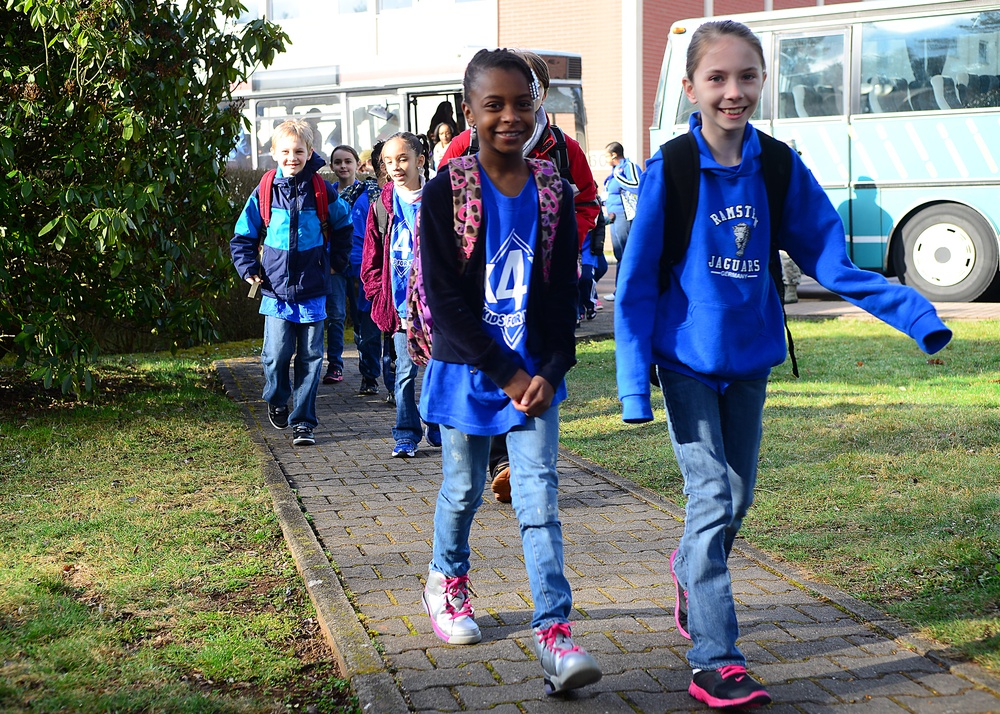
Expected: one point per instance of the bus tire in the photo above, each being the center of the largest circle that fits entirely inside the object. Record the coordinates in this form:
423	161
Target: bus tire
948	252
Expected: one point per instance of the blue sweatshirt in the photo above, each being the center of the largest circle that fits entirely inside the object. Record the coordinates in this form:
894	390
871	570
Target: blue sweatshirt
720	318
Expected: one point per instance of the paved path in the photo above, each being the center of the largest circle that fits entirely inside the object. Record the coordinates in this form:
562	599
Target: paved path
817	649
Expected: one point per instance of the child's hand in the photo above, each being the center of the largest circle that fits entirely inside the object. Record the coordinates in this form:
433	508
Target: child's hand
517	386
536	398
253	279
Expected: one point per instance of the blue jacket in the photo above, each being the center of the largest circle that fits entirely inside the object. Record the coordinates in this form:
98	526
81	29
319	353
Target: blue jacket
623	177
720	318
293	262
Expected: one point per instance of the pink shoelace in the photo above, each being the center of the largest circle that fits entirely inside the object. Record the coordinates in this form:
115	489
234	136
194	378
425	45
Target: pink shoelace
454	588
548	637
733	670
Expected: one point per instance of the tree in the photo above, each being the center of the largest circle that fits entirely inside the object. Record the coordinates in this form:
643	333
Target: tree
116	121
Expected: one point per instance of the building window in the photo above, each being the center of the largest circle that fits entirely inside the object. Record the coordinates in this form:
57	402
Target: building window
348	7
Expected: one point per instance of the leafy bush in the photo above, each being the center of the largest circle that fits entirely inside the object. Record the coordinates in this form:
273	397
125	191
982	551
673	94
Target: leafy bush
114	130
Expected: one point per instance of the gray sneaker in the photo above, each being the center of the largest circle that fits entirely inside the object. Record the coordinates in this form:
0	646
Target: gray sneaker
566	665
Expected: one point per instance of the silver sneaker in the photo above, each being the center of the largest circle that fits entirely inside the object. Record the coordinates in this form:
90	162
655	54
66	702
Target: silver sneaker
447	603
566	665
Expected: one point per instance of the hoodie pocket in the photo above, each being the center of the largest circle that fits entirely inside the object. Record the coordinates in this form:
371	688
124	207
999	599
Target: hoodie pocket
727	341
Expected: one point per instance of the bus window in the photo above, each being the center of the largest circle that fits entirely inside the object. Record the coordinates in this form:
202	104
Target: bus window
564	105
934	63
374	118
322	113
811	77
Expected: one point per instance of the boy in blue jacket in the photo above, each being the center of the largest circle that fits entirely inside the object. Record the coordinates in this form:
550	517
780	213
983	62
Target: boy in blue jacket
292	261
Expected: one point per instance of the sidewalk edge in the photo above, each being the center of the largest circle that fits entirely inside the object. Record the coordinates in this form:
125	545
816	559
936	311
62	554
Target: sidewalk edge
356	655
865	614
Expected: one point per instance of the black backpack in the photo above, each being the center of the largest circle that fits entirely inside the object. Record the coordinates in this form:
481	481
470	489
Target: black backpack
682	162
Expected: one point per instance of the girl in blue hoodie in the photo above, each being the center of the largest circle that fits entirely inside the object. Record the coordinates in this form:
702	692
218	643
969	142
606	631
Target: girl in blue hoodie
715	330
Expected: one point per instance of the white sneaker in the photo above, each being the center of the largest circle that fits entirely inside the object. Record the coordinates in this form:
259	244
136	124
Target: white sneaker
566	665
610	297
447	603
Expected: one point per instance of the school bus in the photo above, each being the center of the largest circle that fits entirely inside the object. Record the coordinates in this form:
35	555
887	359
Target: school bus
895	107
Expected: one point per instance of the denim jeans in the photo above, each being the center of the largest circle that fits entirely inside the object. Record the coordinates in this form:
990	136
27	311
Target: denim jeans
533	450
389	362
716	439
336	313
367	336
619	237
407	417
282	339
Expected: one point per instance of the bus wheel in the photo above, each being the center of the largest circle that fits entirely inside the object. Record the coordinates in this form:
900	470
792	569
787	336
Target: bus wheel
948	252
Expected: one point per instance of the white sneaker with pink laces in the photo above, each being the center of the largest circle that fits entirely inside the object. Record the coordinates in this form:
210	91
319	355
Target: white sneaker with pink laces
566	665
447	603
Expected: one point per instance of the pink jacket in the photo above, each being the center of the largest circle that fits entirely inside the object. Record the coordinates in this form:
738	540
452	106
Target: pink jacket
376	273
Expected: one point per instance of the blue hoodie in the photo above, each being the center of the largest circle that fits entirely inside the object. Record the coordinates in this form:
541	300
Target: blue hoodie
720	318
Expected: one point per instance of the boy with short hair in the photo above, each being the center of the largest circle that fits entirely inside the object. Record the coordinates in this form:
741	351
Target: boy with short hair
292	261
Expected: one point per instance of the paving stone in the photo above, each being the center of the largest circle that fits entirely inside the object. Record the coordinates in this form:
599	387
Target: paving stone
374	515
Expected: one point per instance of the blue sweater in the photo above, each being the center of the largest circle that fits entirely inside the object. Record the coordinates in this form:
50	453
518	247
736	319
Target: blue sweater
720	318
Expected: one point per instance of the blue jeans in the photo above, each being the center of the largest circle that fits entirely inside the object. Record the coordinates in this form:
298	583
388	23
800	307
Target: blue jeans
716	439
282	339
619	237
389	362
367	336
336	313
408	424
533	450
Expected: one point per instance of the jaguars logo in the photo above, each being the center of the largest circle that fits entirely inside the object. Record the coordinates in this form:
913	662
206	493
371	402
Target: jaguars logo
741	231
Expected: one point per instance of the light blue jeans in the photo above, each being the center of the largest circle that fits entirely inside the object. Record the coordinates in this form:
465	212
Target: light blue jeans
282	339
408	424
716	439
533	450
336	314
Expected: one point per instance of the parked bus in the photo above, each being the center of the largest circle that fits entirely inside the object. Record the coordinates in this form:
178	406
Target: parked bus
362	110
895	107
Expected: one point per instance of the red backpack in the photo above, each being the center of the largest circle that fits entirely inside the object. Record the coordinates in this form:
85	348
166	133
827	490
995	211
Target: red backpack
319	189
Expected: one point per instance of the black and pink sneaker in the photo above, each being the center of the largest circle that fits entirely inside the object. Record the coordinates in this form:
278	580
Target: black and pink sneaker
728	687
681	602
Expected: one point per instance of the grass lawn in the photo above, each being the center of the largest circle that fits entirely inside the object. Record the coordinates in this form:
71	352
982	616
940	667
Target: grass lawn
142	568
878	470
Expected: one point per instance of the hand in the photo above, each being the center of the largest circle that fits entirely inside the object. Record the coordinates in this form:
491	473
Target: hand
611	218
517	386
253	279
536	397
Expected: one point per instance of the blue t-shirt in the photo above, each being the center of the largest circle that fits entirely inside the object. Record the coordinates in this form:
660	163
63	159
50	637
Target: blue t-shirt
308	310
463	397
401	250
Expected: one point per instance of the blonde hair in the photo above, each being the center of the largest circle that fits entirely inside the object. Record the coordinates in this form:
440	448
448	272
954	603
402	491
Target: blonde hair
293	127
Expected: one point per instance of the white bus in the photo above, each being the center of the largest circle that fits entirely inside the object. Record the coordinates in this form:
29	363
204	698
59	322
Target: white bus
361	110
895	107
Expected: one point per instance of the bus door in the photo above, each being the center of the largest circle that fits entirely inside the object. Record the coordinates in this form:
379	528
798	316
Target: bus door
426	110
810	105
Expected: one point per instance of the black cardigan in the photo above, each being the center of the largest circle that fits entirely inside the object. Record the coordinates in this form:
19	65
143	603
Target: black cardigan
456	300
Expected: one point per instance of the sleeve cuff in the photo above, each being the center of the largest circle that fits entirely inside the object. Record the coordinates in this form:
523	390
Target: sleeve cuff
931	334
636	409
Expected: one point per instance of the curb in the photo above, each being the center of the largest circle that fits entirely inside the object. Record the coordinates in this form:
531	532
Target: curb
357	658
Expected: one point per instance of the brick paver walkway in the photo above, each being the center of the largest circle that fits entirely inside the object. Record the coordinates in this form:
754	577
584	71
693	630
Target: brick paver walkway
816	649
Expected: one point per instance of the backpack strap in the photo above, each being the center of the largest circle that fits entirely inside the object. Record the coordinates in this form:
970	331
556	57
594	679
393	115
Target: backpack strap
322	206
559	154
682	179
467	199
264	195
550	194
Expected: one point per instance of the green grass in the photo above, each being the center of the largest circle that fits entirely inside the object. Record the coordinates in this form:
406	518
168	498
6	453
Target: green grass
142	568
878	469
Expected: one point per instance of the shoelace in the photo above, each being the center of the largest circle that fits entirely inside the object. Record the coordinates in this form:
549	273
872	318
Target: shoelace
548	637
457	588
733	670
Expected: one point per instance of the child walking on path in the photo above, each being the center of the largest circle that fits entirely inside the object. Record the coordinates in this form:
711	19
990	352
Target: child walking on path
347	285
294	267
503	340
385	272
712	324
